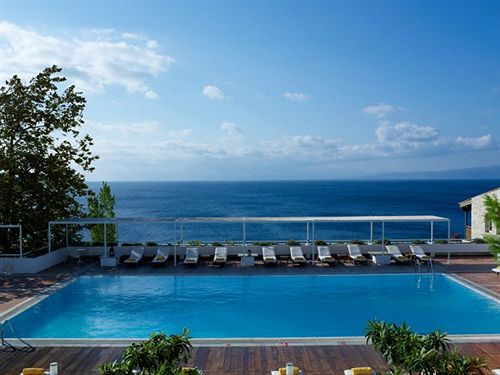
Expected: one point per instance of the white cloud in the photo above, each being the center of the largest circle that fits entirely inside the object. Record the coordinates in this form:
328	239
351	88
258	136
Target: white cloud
152	143
380	110
94	61
479	143
296	96
230	128
150	94
213	93
180	133
404	131
151	44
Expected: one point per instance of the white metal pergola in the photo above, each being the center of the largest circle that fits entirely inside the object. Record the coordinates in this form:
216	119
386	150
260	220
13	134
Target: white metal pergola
20	229
310	223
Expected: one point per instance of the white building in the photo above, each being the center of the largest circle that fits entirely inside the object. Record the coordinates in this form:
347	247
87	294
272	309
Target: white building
476	226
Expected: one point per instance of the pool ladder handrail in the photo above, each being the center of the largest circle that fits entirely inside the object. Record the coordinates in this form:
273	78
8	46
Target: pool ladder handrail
430	265
7	323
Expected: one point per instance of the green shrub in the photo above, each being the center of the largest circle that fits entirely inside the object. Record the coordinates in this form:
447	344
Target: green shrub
386	242
407	352
418	242
293	243
263	243
194	243
151	243
132	244
229	243
160	355
216	244
320	243
357	242
441	242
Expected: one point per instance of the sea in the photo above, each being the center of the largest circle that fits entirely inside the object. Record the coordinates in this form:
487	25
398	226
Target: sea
290	198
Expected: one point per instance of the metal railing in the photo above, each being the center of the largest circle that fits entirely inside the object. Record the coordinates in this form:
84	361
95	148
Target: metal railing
4	343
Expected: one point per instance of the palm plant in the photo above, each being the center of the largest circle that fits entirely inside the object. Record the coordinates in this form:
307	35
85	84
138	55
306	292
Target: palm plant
408	353
160	355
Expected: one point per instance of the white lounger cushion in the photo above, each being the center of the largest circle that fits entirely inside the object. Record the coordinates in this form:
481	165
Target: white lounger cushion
393	250
220	254
296	254
419	252
396	253
268	254
135	255
161	255
191	255
324	253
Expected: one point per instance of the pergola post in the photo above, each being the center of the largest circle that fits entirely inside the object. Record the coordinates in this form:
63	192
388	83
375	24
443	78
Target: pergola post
449	241
244	233
105	238
432	232
67	236
383	235
307	233
50	239
175	243
312	252
371	232
20	241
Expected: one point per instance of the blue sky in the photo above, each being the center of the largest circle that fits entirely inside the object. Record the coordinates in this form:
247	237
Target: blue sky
271	90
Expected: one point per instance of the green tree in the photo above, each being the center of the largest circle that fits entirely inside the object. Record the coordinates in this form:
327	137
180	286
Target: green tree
42	156
493	214
102	205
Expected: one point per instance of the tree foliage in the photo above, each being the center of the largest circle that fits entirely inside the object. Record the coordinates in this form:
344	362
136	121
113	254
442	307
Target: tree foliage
42	154
492	205
102	205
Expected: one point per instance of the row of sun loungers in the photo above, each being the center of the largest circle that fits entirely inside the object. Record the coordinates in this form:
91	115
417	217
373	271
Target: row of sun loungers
269	256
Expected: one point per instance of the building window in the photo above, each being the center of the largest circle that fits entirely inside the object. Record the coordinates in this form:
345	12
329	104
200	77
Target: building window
488	226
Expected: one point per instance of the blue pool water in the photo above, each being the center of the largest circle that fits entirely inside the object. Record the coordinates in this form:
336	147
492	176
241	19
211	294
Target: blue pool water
256	306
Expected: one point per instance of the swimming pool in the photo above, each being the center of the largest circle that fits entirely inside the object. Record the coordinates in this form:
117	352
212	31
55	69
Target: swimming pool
256	306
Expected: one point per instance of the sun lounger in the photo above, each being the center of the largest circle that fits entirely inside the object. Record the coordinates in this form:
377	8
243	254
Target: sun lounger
268	255
355	254
282	371
220	256
497	271
161	257
359	371
191	256
296	255
396	254
135	256
324	255
420	254
34	371
497	371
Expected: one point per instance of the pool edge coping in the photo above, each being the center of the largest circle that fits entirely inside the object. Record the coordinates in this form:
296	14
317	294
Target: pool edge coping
33	300
247	342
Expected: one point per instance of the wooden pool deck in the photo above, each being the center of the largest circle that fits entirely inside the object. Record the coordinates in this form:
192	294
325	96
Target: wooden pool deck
230	359
314	360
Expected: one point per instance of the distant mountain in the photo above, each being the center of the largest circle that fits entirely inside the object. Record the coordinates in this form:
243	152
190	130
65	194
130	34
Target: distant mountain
491	172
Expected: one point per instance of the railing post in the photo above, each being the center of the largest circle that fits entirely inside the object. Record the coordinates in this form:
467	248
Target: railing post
50	239
20	241
432	232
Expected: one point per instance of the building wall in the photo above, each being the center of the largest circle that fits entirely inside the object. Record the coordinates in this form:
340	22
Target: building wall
478	212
